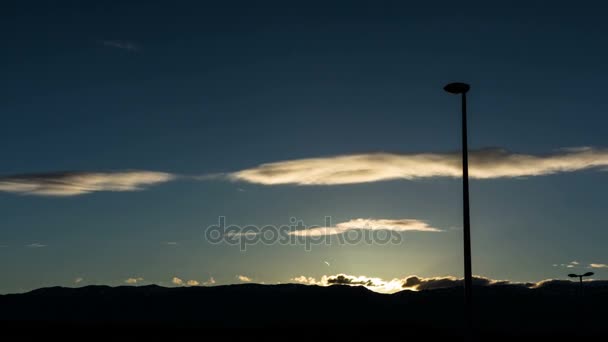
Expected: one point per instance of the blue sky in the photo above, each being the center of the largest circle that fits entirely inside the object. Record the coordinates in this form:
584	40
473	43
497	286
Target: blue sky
191	89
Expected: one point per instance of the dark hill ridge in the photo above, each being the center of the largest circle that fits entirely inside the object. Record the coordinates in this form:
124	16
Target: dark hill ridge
501	309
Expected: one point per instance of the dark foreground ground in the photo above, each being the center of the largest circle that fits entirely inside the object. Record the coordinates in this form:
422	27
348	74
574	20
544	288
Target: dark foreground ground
510	312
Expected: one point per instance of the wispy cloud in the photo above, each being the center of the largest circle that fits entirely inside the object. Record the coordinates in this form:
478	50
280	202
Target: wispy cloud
78	183
133	281
237	234
35	245
576	264
400	225
78	280
121	44
374	167
171	243
209	282
571	264
243	278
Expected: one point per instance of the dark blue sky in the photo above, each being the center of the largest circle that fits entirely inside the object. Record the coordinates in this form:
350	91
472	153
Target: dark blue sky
194	88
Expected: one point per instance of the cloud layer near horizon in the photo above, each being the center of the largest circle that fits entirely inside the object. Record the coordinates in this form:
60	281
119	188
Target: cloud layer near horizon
78	183
416	283
374	167
399	225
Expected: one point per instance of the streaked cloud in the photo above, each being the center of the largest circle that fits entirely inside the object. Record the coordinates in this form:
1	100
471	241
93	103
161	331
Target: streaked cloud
243	278
35	245
171	243
121	44
78	183
399	225
576	264
237	234
78	280
345	169
374	167
571	264
133	281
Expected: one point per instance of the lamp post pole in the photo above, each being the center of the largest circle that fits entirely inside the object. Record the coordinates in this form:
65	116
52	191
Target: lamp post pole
462	89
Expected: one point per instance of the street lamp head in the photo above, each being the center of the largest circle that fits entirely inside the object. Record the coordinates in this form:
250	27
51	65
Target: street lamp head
588	274
457	88
572	275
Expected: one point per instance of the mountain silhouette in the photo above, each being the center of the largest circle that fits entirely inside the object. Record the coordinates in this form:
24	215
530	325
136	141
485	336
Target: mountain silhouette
558	309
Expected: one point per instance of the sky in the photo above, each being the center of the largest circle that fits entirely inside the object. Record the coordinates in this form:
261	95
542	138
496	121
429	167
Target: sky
128	129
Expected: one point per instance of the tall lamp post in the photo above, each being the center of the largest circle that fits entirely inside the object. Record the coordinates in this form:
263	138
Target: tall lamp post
462	89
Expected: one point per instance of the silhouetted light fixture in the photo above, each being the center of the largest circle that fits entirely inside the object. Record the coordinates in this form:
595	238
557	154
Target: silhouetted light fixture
462	89
457	88
580	277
